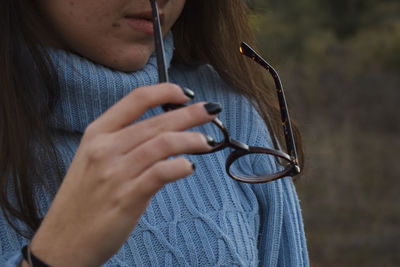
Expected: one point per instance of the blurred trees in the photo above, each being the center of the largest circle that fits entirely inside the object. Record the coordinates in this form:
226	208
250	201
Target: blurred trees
339	61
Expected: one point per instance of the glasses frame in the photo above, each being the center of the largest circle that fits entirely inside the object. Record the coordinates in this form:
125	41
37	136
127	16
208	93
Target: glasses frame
240	149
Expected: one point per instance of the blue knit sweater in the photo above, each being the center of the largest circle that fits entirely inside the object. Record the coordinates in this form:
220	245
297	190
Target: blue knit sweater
206	219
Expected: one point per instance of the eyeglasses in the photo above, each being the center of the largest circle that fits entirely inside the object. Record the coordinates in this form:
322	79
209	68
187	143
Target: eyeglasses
245	163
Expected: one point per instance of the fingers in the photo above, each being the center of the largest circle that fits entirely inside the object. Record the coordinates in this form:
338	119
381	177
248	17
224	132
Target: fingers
172	121
161	173
163	146
132	106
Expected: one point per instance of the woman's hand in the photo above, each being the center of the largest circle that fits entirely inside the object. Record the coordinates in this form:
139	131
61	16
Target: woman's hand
117	168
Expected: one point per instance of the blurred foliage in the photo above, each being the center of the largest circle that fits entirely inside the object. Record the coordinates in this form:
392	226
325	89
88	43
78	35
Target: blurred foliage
339	61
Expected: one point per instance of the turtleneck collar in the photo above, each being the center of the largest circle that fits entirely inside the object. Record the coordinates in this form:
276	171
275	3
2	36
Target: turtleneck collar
88	89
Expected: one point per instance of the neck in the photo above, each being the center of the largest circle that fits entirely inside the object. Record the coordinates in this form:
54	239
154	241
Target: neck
88	89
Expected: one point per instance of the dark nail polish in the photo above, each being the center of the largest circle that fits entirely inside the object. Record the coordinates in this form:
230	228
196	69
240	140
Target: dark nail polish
210	141
189	93
213	108
193	166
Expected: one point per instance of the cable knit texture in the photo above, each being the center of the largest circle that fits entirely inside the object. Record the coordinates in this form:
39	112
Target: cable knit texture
206	219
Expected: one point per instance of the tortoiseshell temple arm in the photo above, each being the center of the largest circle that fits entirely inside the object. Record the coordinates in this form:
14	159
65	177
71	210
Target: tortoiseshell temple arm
246	50
159	44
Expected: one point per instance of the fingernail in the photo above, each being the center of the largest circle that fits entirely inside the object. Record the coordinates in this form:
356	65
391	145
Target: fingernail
213	108
189	93
193	166
210	141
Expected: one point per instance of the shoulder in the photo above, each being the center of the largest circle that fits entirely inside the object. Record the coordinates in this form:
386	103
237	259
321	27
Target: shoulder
203	76
208	85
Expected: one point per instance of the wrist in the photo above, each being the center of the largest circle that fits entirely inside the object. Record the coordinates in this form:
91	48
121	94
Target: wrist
24	263
58	253
46	253
31	259
53	253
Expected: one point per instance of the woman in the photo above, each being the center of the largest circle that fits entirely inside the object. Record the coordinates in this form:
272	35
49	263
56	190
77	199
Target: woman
80	102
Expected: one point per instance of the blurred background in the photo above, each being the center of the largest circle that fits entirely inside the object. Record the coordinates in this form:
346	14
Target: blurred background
339	61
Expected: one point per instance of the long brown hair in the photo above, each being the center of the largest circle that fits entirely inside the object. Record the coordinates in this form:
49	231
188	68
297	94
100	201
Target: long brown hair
206	32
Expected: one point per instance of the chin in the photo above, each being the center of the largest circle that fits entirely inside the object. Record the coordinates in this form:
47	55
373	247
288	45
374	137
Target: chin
126	59
124	65
130	62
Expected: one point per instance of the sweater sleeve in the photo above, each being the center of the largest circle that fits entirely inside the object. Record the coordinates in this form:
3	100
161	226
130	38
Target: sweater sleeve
10	245
279	204
14	261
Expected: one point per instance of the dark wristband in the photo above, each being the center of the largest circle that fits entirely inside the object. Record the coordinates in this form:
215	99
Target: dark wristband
31	259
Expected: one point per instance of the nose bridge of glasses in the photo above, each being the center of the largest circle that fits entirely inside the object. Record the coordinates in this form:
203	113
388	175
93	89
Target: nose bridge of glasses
237	144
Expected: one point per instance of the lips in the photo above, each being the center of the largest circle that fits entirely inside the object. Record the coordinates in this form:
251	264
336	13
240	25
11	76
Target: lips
145	16
142	25
143	21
